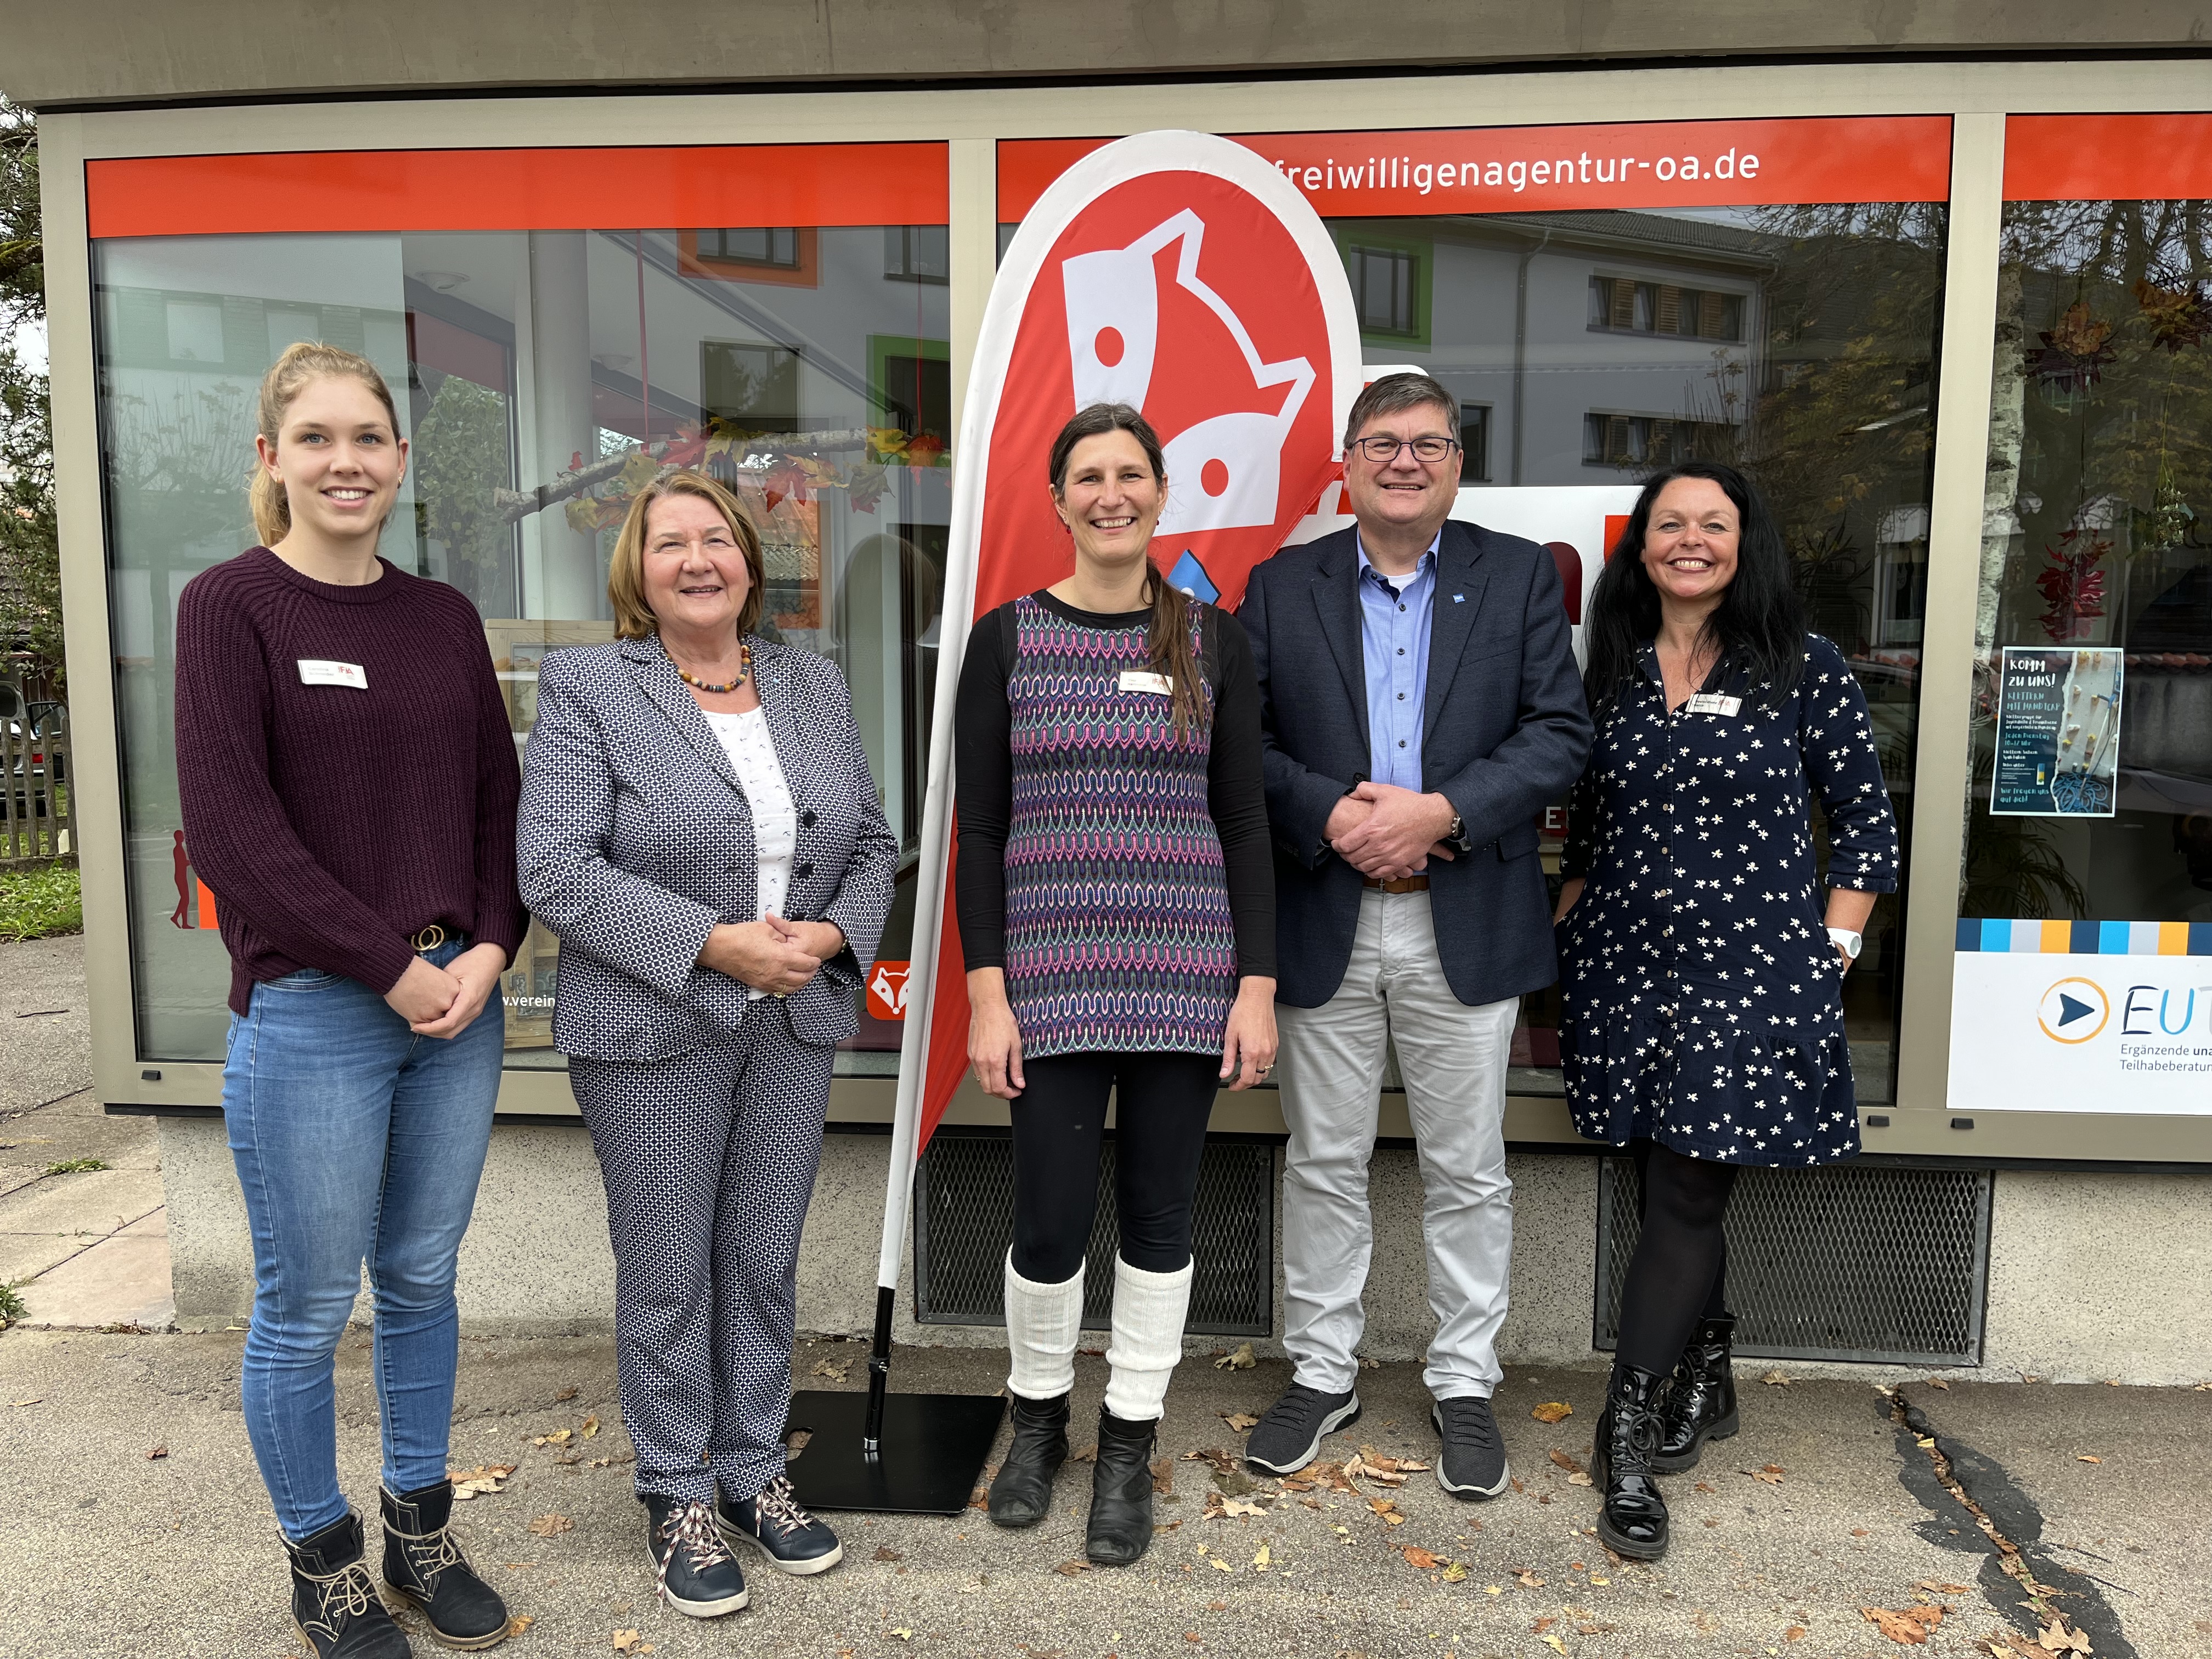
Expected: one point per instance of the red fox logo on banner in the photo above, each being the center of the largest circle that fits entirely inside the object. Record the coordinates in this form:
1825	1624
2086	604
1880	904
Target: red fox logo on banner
1180	273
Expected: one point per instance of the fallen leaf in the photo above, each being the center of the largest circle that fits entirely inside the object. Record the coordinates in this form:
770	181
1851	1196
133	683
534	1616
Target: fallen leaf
1456	1573
1191	1636
520	1622
1552	1411
1262	1559
1578	1479
903	1634
1243	1360
1162	1477
1794	1633
1069	1569
628	1641
1526	1578
836	1373
1240	1421
1565	1462
1938	1382
1907	1626
484	1478
1860	1532
1541	1625
1218	1565
1554	1644
159	1452
885	1552
1088	1454
1944	1589
1702	1486
549	1526
1771	1473
1241	1506
35	1400
2086	1458
1777	1380
558	1437
566	1394
2058	1637
1416	1557
591	1427
1595	1579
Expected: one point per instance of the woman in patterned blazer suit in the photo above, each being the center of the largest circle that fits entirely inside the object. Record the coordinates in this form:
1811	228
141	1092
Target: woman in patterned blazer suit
699	827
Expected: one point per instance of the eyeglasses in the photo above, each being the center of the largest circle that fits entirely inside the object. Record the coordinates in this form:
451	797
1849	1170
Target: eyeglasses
1383	451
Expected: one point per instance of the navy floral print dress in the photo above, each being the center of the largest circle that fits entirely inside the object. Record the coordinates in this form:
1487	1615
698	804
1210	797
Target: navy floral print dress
1702	997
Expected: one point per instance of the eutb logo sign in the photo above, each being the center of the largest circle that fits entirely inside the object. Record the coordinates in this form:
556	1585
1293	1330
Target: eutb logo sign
1178	273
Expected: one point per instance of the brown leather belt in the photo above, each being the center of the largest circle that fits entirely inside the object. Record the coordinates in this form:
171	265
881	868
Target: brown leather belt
1402	885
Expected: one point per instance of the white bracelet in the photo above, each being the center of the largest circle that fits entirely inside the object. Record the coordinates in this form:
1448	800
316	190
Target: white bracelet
1847	941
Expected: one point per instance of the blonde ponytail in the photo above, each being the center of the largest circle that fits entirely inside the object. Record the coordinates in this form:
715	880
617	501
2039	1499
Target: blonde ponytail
302	362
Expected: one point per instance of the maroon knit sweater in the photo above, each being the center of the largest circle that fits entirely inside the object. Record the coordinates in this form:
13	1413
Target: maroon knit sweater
329	821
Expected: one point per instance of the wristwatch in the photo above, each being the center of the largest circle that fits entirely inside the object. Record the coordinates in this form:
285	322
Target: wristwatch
1849	942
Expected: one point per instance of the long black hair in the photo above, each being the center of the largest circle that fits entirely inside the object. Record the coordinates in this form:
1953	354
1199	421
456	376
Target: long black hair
1759	627
1167	635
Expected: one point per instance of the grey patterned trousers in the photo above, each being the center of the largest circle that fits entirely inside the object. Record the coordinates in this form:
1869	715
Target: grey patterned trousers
709	1160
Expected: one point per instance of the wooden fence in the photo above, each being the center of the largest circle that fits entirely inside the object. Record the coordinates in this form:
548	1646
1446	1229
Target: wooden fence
37	821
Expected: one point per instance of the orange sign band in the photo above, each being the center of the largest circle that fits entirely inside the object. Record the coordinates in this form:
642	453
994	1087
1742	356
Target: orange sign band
668	187
1627	164
2097	158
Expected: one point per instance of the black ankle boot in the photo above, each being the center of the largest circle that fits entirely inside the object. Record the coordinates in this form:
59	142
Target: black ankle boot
1701	1398
1120	1527
1021	1493
423	1564
334	1604
1633	1518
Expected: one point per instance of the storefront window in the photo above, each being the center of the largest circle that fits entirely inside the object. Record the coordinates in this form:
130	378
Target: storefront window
2089	812
1602	301
544	375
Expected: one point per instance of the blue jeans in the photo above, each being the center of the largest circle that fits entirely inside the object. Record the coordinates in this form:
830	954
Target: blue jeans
354	1138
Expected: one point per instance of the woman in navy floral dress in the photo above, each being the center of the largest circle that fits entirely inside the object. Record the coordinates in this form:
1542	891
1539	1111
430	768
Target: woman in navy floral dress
1701	968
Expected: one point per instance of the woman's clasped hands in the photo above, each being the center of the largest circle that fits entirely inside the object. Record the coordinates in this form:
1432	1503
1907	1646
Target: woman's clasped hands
772	955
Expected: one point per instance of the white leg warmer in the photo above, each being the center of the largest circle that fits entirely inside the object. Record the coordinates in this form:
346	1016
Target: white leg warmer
1149	1309
1043	1323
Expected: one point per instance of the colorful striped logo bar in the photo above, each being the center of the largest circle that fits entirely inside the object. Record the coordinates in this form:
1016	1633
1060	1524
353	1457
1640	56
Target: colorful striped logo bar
2085	938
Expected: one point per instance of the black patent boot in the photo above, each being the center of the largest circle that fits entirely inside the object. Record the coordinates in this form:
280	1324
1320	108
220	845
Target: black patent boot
1632	1519
1021	1493
1120	1527
423	1565
1701	1398
334	1604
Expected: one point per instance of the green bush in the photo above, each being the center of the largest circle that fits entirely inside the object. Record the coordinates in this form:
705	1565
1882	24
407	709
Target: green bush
37	903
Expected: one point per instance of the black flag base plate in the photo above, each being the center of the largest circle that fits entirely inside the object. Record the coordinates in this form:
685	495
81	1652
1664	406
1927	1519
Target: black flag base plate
929	1457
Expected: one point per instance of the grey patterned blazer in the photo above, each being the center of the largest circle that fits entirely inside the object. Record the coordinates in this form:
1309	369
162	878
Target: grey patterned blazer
635	839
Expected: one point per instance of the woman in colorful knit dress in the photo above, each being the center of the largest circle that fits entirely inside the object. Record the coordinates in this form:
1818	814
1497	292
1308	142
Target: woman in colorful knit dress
1701	968
1116	901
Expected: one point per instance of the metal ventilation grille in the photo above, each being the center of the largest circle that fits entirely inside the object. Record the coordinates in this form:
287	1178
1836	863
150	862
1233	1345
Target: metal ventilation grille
1847	1261
964	1220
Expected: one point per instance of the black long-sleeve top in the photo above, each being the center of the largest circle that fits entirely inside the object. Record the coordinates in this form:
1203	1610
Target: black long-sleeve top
1236	793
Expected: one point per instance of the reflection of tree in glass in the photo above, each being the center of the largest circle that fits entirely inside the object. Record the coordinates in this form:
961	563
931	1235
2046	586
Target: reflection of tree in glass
186	469
2124	454
460	457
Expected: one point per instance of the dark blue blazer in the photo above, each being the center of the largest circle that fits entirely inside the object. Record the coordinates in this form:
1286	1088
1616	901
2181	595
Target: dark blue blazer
1505	731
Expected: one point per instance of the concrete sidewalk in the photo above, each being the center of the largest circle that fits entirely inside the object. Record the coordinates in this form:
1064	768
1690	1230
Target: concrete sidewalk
137	1524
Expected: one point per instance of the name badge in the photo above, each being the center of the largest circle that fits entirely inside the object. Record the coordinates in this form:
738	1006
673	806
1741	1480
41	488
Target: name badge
314	671
1712	702
1136	679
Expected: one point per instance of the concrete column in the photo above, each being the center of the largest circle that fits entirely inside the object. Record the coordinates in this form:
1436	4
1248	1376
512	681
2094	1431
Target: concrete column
561	576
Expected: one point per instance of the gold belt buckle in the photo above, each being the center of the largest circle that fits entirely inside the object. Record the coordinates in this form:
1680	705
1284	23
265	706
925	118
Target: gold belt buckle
428	940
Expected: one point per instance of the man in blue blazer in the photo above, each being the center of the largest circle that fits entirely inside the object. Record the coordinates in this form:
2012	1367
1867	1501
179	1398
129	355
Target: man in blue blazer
1420	709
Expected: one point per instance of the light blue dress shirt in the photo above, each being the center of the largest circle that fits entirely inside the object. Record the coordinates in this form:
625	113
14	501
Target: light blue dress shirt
1395	613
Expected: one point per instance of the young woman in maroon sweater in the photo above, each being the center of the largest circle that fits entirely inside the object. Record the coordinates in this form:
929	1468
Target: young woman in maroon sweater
348	789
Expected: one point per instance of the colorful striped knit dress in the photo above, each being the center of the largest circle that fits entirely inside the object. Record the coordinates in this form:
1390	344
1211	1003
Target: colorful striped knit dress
1106	864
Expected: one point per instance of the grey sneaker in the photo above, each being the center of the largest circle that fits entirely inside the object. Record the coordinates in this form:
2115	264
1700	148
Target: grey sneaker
1289	1436
1473	1461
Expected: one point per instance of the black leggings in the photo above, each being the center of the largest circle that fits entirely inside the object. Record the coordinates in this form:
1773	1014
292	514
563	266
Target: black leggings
1679	1272
1161	1103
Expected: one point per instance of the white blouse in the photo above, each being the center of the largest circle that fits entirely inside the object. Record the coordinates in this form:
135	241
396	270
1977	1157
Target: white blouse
745	739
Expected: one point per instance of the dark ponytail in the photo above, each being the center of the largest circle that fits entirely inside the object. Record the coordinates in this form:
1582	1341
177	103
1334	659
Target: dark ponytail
1167	635
1758	628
